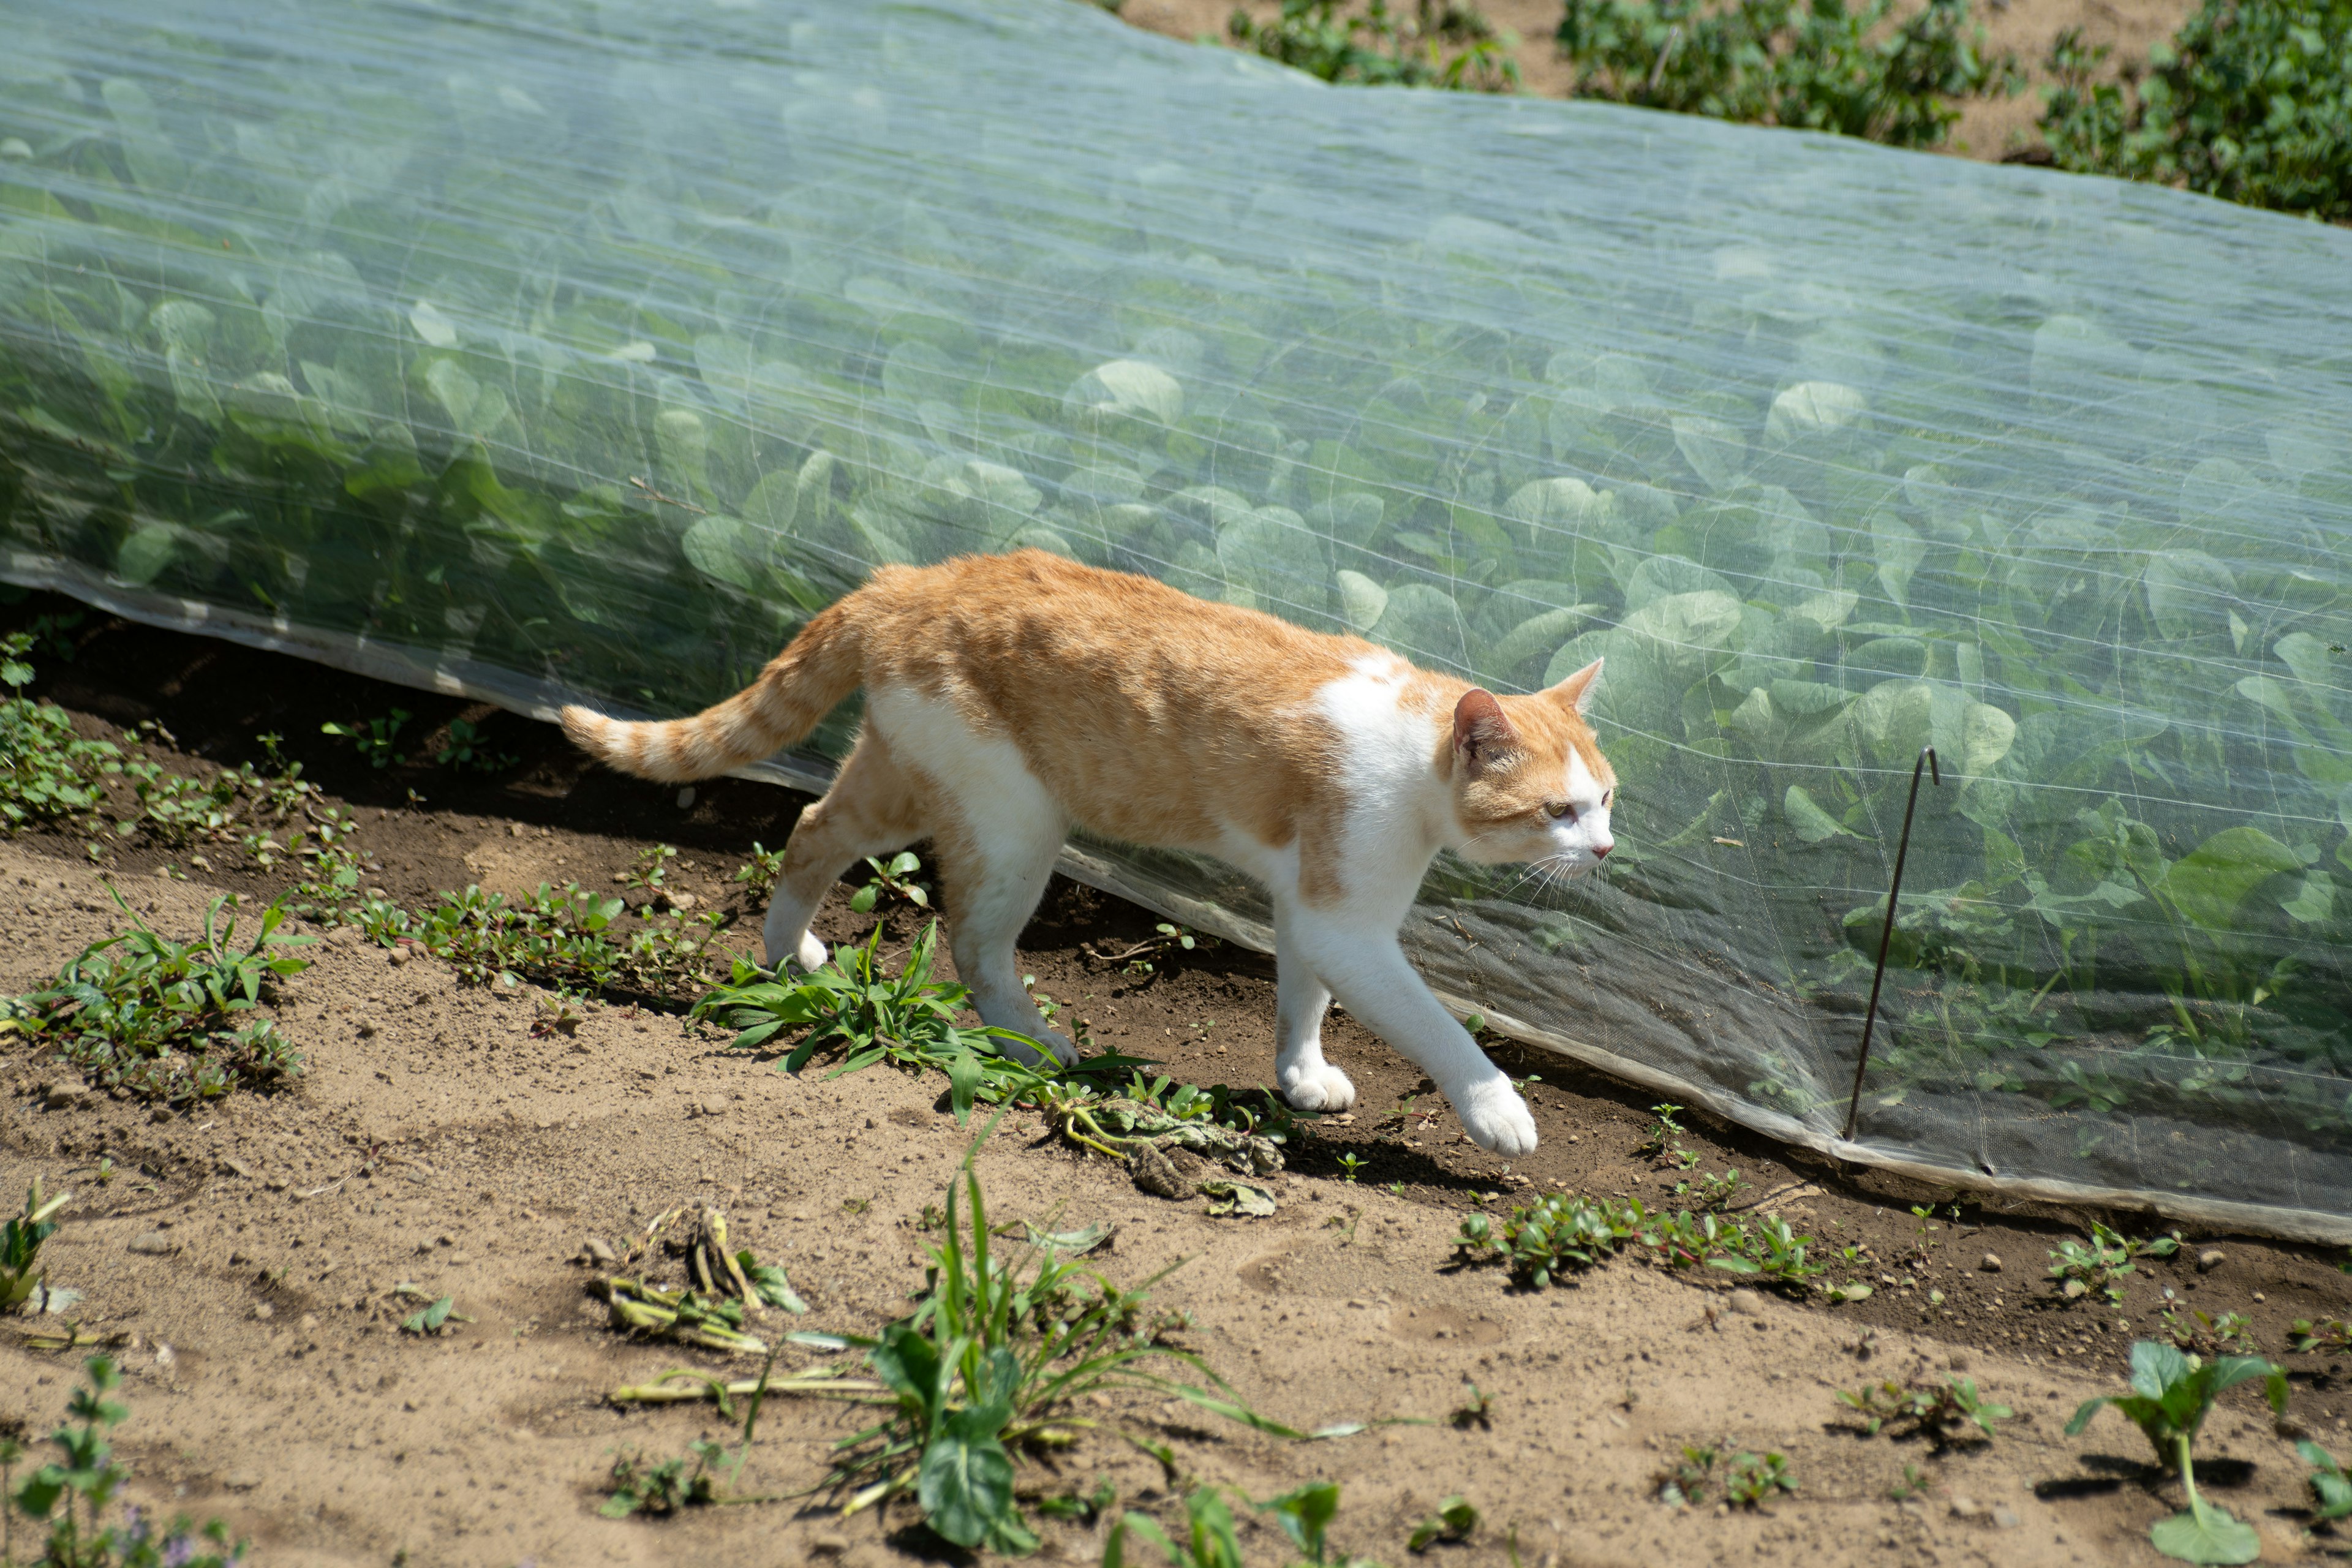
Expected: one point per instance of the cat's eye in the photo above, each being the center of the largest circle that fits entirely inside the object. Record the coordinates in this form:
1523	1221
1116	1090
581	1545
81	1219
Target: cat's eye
1555	809
1606	796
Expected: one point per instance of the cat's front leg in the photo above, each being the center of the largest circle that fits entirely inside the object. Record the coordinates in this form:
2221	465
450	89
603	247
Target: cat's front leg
1300	1001
1367	971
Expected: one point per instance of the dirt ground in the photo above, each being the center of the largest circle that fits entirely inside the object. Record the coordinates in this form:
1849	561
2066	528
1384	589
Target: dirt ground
1989	129
247	1257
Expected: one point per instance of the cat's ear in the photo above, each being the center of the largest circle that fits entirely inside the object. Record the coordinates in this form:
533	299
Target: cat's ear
1482	735
1576	691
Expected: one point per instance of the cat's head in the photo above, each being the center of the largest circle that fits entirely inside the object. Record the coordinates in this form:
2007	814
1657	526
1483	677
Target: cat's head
1530	782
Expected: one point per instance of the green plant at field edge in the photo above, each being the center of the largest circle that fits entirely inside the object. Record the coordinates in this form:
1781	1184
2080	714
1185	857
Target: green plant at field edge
1807	64
2250	101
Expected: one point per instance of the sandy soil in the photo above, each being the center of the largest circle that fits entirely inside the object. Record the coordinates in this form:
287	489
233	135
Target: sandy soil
1988	129
438	1140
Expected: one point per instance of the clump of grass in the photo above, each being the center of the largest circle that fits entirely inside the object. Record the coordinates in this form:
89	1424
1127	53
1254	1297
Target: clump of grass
852	1008
1557	1234
992	1367
1456	1518
169	1021
73	1494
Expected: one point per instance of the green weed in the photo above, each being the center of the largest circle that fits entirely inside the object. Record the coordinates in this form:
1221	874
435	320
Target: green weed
1818	65
73	1494
1439	43
1456	1519
1559	1232
1687	1482
169	1020
1753	1479
434	1317
2331	1489
979	1377
760	874
466	752
1349	1166
895	878
2312	1336
2101	1264
21	1276
566	938
47	774
376	738
2171	1394
2203	1334
1940	1412
650	869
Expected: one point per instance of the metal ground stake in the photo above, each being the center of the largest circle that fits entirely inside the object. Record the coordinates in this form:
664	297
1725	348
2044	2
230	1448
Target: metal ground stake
1887	936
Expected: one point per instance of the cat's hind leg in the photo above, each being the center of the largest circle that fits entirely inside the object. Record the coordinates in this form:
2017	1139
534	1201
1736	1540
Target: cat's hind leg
1300	1002
874	806
995	863
995	831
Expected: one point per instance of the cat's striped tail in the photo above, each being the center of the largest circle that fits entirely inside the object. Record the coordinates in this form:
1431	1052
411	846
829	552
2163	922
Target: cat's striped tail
800	685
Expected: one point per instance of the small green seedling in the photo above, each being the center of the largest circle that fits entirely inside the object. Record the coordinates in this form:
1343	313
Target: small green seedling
1914	1483
1396	1189
1476	1409
2312	1336
1940	1412
1663	1132
686	1481
72	1494
1543	1240
2331	1489
1712	1194
434	1318
2101	1263
650	869
465	752
375	738
895	877
1687	1484
1305	1515
2206	1335
761	874
1753	1479
1456	1519
1083	1508
2171	1394
21	1276
1349	1166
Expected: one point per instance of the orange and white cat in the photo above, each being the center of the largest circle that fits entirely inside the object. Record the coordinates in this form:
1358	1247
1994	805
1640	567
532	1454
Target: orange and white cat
1010	698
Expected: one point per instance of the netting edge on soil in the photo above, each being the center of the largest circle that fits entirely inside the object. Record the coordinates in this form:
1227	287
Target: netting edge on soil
400	664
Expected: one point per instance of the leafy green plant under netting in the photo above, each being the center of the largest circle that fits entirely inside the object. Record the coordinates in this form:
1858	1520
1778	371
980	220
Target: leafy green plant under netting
560	355
2250	102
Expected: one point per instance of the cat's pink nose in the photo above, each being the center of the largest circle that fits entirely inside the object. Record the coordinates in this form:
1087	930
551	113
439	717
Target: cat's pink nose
1601	850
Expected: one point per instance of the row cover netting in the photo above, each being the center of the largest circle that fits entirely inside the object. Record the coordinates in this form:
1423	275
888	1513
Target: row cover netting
594	344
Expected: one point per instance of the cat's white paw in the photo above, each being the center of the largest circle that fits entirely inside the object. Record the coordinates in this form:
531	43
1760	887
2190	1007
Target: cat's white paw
1319	1087
1057	1047
812	955
1496	1118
